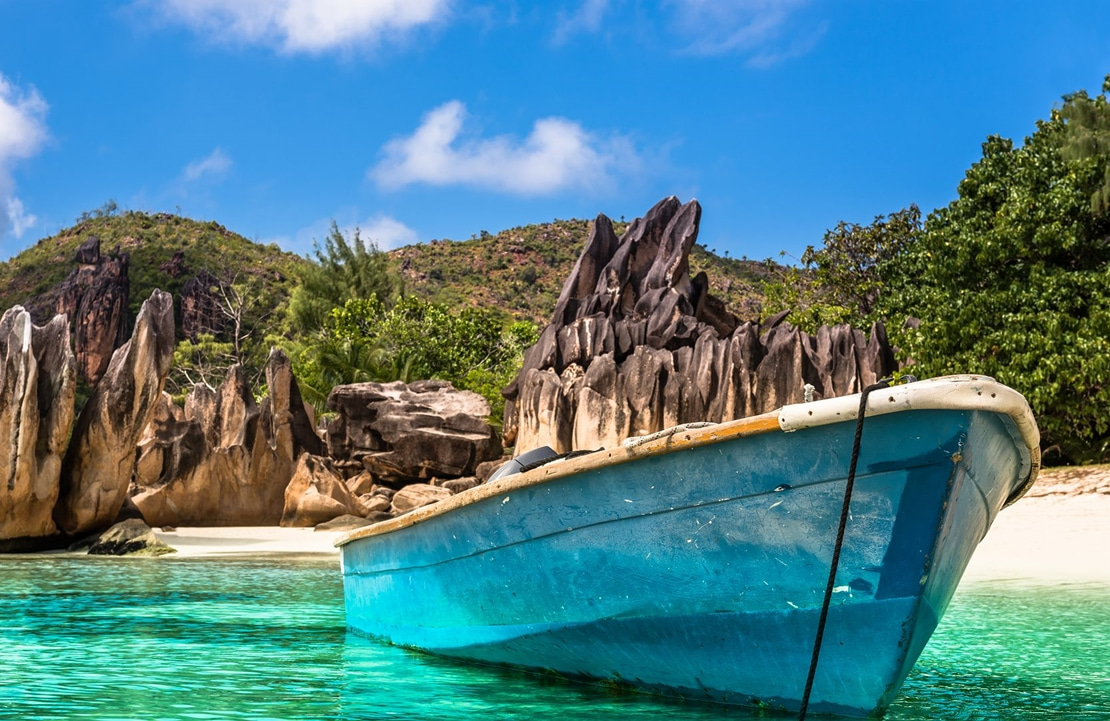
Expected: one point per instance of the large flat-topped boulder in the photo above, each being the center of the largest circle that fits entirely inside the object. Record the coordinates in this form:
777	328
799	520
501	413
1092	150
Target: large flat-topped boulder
410	432
636	345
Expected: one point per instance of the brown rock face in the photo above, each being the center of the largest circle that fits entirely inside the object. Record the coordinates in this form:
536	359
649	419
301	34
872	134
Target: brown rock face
37	384
635	346
223	461
408	433
200	308
317	494
101	456
96	297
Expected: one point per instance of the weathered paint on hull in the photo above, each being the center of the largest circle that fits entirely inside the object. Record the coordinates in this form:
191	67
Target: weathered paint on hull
701	573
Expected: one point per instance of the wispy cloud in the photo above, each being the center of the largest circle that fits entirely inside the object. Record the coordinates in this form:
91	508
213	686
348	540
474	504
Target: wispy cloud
765	31
22	134
215	165
750	27
557	155
587	18
301	26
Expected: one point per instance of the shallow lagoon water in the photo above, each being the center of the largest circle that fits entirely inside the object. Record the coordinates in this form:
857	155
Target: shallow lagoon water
178	639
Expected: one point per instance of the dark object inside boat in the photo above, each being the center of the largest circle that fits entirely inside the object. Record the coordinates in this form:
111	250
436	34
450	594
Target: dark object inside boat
533	459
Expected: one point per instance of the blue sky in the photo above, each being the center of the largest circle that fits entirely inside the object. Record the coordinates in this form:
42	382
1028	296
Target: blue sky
422	119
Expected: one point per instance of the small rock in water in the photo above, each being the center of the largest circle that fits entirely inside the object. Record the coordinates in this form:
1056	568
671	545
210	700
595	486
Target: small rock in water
130	537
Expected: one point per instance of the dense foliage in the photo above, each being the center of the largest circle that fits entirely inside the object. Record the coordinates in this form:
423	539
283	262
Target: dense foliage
1012	279
842	281
367	340
343	269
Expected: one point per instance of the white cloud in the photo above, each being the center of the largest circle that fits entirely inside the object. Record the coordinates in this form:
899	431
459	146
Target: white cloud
587	19
22	135
311	26
557	155
386	232
215	165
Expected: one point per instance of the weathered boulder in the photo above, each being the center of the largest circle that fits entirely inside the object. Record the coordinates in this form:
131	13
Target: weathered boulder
458	485
635	346
37	386
222	460
343	523
317	493
100	459
408	433
417	495
132	537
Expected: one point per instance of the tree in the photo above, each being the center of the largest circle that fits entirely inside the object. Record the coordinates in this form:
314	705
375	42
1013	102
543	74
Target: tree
841	282
1012	279
414	339
344	269
242	306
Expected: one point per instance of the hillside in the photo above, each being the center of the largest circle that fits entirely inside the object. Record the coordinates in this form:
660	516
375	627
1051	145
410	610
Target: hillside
152	240
519	271
522	270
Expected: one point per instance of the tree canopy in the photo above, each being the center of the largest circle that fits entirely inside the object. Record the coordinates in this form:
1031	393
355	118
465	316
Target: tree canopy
1012	279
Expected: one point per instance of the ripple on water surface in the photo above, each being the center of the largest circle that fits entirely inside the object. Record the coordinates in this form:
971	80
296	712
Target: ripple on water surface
88	638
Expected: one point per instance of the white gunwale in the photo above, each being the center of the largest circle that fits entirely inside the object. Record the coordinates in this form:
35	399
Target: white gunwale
965	392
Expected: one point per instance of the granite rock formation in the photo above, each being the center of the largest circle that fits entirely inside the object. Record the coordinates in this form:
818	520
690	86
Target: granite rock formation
636	345
223	460
37	384
410	433
98	464
317	494
96	297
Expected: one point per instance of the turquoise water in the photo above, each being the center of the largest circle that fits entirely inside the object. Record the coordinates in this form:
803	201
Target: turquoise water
162	639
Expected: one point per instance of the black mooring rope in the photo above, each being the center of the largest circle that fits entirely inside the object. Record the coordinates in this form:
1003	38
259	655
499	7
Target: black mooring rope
884	383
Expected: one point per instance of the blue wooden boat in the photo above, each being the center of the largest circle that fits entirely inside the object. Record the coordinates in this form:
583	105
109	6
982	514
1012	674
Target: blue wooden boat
696	562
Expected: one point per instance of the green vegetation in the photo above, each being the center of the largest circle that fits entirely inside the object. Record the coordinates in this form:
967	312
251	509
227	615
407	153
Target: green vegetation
151	239
366	340
1011	279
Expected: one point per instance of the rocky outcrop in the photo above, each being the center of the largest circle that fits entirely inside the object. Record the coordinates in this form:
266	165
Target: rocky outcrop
129	538
317	494
98	464
37	385
96	297
223	460
200	308
636	345
410	433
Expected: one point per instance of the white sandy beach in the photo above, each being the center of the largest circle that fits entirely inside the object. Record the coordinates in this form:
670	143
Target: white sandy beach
249	540
1047	539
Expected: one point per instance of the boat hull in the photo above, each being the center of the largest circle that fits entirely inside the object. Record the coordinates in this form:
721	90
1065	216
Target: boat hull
701	573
